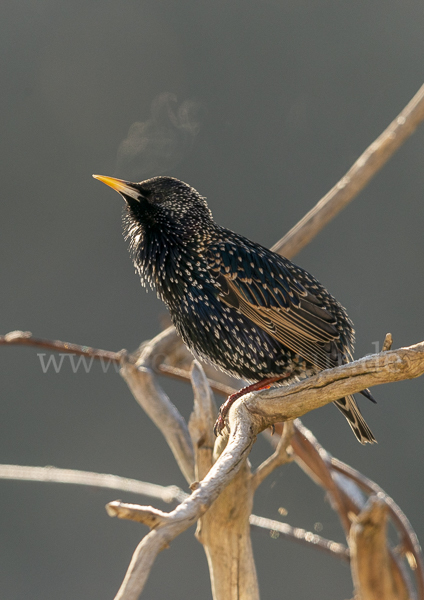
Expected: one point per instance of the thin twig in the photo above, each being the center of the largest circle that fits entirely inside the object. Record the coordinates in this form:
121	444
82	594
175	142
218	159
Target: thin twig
147	515
184	375
163	413
296	534
25	338
315	461
280	456
167	494
367	165
114	482
388	341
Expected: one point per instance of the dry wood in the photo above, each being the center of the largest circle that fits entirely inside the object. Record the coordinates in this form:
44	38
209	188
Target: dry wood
388	341
256	411
189	511
292	401
277	529
156	403
280	457
345	491
169	493
147	515
361	172
201	422
224	530
372	570
50	474
409	545
251	414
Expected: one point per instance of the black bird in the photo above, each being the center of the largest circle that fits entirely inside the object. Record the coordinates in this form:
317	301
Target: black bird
245	309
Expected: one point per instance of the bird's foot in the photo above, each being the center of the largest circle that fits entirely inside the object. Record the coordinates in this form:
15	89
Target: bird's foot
259	385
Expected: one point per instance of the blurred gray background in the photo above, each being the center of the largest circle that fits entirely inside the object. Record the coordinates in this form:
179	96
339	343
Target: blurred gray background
262	106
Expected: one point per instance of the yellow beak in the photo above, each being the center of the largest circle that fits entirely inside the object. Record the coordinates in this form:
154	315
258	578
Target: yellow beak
120	185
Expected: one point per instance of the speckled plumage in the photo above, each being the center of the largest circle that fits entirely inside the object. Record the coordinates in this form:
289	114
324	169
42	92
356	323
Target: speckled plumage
236	304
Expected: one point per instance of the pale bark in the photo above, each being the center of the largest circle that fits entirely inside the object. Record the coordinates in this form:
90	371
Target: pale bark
372	569
247	417
169	493
50	474
224	531
255	412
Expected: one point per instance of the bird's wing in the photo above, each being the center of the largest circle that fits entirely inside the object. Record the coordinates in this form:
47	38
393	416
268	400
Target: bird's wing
260	286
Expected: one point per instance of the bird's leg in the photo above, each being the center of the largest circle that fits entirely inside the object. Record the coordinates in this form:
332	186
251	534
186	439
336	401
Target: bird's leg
259	385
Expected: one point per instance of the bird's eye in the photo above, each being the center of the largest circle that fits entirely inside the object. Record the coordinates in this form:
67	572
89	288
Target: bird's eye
144	191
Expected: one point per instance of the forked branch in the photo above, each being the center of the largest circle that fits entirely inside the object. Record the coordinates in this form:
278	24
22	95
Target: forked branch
250	415
254	412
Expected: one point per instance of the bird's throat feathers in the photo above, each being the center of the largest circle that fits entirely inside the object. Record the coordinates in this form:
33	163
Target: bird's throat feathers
164	259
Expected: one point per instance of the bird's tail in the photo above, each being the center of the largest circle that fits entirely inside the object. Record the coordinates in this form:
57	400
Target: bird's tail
355	419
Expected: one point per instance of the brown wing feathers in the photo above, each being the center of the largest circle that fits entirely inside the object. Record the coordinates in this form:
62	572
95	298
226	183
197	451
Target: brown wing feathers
303	331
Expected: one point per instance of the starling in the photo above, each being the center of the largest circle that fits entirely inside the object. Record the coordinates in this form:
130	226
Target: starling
247	310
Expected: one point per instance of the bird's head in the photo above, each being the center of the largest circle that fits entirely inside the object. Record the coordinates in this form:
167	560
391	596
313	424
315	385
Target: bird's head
161	206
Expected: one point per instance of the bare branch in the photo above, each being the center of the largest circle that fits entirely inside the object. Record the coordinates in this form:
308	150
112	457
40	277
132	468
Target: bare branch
371	563
315	461
167	494
280	456
155	402
189	511
141	564
163	413
25	338
52	474
367	165
292	401
296	534
224	530
184	375
388	341
172	350
147	515
345	488
201	421
256	411
409	541
347	500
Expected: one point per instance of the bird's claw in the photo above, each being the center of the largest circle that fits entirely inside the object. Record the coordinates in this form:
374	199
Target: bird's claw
219	423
